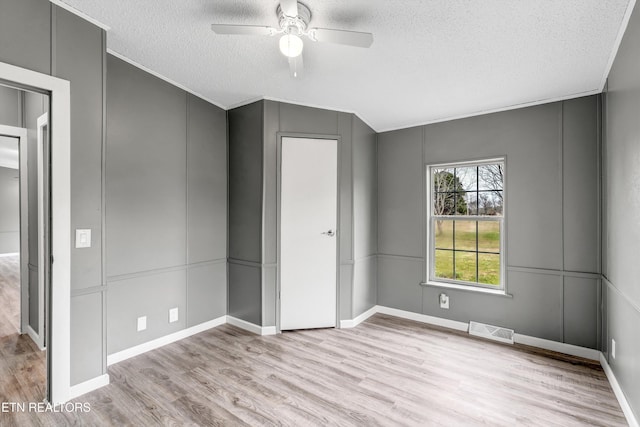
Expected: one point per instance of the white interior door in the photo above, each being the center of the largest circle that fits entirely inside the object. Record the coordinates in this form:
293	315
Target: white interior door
308	235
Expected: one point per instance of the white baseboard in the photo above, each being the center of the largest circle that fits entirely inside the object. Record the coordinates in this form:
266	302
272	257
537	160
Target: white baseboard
268	330
34	337
89	385
176	336
9	254
573	350
251	327
617	390
351	323
167	339
95	383
432	320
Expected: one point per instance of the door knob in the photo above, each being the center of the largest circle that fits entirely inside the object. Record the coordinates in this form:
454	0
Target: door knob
329	233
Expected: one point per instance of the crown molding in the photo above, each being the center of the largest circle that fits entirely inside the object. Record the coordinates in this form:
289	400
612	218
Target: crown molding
82	15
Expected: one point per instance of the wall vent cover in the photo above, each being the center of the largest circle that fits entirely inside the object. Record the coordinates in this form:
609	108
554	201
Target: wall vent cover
495	333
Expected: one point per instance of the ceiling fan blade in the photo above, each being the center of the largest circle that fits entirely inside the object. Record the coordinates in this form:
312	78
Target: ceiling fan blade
351	38
289	7
249	30
296	67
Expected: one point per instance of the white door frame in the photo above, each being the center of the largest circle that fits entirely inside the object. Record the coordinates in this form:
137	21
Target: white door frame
43	238
59	332
279	136
21	135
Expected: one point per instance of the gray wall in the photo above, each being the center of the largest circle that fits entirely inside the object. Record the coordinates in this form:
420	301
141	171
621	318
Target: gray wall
295	119
621	225
10	107
184	198
552	218
11	101
79	56
166	204
253	150
75	52
28	49
9	210
10	115
365	217
245	212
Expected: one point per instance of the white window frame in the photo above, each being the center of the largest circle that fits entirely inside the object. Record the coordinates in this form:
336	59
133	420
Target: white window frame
431	219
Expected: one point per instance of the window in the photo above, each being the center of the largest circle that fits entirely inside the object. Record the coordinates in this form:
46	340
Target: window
466	224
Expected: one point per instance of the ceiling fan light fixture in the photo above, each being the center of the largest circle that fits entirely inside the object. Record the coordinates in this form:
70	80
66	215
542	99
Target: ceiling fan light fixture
291	45
293	23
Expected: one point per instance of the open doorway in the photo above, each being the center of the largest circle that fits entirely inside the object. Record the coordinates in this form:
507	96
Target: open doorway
24	242
58	332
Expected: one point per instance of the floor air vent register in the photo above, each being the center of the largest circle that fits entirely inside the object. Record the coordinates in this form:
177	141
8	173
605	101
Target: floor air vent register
495	333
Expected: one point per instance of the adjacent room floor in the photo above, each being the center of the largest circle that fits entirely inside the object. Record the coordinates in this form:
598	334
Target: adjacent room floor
387	371
22	364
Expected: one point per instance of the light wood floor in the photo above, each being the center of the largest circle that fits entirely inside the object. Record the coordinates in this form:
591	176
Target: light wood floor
9	295
22	363
387	371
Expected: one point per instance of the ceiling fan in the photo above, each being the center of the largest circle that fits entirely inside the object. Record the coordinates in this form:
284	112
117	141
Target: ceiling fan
293	19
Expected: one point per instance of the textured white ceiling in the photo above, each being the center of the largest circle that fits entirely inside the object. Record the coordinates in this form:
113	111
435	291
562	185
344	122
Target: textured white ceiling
430	60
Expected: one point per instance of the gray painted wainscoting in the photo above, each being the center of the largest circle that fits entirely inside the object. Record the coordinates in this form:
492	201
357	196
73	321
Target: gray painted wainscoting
365	218
621	209
78	56
552	222
246	131
149	173
166	207
253	153
193	214
29	49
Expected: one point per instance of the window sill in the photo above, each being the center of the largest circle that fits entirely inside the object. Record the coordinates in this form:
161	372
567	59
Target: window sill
496	292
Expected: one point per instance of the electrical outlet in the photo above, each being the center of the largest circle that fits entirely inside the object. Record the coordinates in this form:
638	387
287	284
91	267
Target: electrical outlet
444	301
173	315
613	348
142	323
